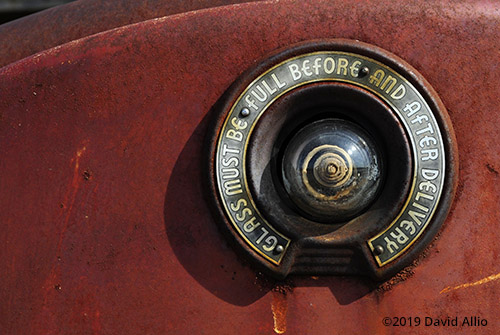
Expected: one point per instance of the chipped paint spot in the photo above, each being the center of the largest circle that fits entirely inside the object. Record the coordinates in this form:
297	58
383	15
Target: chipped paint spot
479	282
279	308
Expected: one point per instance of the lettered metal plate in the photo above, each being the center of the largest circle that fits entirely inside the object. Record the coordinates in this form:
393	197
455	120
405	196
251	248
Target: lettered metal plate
406	94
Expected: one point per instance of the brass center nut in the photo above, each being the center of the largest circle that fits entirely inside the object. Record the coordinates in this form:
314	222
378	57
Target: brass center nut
331	170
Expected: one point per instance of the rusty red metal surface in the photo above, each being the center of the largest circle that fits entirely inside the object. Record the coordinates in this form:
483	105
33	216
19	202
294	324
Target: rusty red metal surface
105	228
79	19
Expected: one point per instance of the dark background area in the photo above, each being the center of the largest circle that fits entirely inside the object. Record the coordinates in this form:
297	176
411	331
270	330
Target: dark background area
15	9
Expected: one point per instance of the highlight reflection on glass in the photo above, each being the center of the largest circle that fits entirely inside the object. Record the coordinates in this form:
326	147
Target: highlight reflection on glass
331	170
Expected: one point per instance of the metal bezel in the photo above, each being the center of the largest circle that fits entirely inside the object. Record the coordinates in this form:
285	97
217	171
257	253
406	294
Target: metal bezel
374	59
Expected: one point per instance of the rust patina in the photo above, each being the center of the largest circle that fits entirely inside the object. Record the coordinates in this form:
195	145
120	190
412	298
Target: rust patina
105	225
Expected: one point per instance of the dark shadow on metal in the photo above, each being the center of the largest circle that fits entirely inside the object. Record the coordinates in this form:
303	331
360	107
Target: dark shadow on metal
203	251
345	289
194	236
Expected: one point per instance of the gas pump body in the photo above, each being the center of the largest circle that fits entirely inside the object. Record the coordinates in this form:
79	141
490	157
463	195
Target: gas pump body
106	220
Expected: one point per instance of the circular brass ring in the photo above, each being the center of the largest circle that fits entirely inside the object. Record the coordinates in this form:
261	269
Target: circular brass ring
405	117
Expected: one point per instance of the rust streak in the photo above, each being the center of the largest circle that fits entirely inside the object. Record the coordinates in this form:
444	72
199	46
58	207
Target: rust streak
479	282
52	282
70	196
75	183
279	308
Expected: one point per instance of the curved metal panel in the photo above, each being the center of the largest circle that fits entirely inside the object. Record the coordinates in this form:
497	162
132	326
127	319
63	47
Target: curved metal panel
105	226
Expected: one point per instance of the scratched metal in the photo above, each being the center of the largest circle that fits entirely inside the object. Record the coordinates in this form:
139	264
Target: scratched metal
104	224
